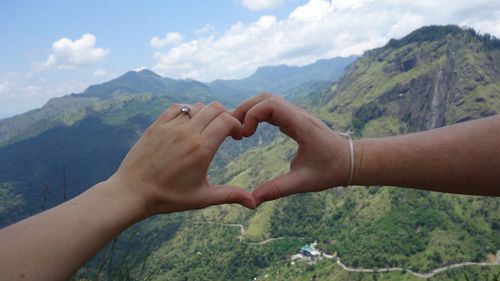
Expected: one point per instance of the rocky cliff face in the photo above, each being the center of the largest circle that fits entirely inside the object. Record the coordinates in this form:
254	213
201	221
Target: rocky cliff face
433	77
421	82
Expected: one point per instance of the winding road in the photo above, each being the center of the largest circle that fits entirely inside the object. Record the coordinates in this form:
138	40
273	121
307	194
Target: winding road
242	232
418	274
426	275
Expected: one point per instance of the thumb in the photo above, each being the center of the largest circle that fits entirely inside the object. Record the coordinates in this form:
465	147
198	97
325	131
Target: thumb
229	194
281	186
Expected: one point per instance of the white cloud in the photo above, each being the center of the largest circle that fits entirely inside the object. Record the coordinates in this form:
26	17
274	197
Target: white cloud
207	28
317	29
20	92
100	73
67	53
171	38
4	87
256	5
25	92
140	68
485	25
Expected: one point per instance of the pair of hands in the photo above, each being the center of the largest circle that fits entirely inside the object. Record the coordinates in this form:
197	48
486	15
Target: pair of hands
166	170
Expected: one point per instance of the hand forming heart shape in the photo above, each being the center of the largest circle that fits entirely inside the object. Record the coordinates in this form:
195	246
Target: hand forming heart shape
322	158
166	170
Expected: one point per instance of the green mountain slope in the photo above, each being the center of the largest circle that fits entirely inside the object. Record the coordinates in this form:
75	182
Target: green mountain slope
38	160
420	82
433	77
132	87
68	110
280	79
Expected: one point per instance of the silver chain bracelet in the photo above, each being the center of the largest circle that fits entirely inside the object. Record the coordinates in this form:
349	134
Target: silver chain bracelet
348	137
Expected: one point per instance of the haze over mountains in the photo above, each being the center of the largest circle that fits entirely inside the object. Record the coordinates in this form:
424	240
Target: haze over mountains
125	106
435	76
231	92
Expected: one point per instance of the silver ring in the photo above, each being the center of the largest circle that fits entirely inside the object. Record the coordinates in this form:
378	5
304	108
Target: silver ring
186	110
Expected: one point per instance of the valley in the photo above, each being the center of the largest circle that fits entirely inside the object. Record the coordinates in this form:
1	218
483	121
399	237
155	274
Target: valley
338	261
433	77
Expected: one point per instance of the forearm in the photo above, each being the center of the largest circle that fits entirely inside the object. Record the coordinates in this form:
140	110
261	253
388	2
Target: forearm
164	172
463	158
53	245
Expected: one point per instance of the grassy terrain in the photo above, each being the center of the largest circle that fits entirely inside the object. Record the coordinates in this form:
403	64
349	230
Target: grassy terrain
386	92
417	83
328	270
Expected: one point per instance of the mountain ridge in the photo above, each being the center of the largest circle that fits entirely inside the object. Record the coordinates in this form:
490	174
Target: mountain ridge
66	110
452	78
282	78
130	102
389	90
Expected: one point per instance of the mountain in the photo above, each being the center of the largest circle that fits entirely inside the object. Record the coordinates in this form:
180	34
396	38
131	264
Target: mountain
435	76
132	87
38	162
282	78
146	81
132	82
68	110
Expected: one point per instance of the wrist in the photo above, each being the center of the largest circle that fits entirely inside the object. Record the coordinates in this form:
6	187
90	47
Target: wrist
351	157
126	198
339	147
365	165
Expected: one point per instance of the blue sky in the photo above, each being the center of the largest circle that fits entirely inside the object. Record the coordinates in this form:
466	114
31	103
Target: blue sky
125	27
53	48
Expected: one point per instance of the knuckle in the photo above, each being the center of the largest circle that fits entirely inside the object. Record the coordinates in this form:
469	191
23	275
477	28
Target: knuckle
266	95
175	106
274	100
217	105
225	117
195	108
229	120
179	134
195	146
150	131
275	193
233	122
231	197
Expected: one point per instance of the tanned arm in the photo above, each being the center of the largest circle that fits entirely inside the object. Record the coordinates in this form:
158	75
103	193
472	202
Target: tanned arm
165	171
462	158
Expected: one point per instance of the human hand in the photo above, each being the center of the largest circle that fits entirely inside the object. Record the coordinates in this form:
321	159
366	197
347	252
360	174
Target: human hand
167	168
322	159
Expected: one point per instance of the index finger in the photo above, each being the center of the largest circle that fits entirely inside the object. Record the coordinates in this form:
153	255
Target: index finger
222	126
277	112
240	112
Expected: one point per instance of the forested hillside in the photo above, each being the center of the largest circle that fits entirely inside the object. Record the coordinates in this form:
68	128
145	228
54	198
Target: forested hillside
433	77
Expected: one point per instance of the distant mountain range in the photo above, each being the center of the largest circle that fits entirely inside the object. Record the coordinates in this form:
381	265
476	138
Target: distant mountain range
69	109
282	78
435	76
277	79
106	119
